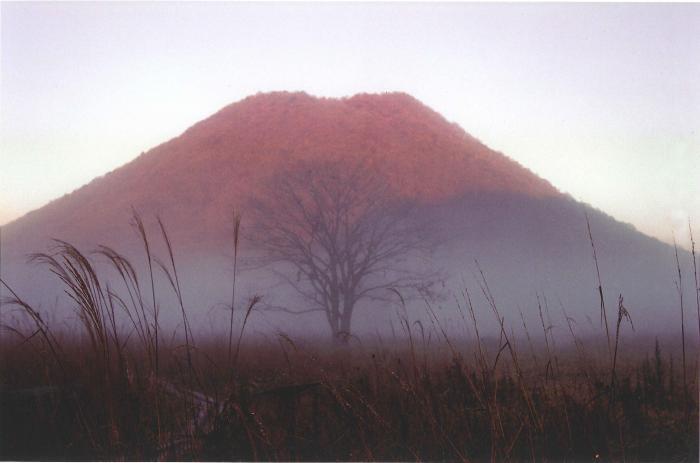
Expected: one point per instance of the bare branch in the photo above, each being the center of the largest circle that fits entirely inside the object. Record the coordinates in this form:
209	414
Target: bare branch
336	234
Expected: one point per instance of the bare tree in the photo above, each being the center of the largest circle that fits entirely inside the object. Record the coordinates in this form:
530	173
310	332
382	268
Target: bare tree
336	233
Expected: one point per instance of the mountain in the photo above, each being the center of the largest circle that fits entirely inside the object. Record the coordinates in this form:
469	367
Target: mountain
528	237
194	181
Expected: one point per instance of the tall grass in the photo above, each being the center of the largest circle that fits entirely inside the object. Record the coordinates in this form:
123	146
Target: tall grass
236	241
127	392
679	287
696	281
622	314
603	312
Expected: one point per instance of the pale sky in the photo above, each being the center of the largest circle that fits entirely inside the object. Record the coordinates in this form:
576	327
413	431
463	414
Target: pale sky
602	100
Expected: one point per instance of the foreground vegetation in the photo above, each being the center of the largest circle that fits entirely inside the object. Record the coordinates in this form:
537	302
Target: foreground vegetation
292	402
113	394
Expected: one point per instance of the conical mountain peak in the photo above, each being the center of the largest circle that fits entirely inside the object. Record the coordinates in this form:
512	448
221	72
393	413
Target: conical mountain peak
196	178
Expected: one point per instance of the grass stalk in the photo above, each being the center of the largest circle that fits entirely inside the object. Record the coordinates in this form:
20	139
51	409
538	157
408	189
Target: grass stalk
622	314
679	288
603	312
236	233
695	274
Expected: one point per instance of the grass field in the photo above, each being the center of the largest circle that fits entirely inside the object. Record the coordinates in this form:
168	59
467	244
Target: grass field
419	396
310	401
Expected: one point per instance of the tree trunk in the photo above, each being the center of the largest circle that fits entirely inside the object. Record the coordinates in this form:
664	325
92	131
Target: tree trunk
342	335
340	338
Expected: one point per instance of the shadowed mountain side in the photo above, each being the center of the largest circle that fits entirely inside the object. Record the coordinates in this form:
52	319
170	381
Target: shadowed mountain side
527	246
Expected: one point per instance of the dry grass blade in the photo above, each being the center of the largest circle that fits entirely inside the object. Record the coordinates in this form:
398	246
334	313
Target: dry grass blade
84	288
174	281
236	238
695	273
679	288
41	326
603	312
251	305
622	314
137	222
136	312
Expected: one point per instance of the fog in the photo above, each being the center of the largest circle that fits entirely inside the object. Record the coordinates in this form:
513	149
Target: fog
530	256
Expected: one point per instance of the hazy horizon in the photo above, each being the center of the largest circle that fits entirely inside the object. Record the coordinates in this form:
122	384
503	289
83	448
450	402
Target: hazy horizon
602	101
